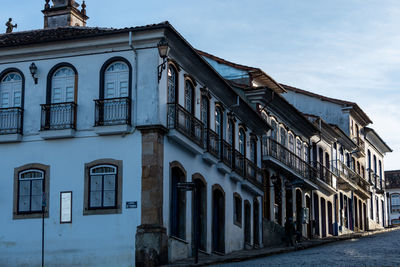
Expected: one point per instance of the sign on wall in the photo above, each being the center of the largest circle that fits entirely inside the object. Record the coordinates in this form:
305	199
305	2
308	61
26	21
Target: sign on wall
66	207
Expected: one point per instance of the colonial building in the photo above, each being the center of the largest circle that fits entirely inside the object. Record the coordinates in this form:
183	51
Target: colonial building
101	127
392	189
365	163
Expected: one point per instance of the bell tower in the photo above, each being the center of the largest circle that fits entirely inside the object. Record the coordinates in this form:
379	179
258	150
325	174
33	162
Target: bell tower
64	13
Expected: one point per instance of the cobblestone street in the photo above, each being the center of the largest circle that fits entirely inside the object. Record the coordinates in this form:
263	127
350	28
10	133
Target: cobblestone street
377	250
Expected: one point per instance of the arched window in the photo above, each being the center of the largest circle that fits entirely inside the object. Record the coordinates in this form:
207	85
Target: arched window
11	91
218	122
306	153
237	209
291	142
205	107
253	149
30	191
63	84
274	131
299	146
116	80
189	96
103	187
172	84
231	133
242	141
283	137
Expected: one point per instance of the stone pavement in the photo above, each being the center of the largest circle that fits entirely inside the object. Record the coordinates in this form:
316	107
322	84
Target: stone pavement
244	255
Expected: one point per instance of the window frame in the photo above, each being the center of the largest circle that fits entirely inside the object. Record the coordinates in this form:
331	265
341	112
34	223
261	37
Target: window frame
117	209
50	76
103	70
237	216
46	180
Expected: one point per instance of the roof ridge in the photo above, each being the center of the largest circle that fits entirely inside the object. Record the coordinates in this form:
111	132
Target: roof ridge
221	60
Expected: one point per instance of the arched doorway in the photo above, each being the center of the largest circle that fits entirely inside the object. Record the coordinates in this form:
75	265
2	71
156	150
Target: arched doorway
218	220
256	218
323	217
278	201
330	218
200	206
360	214
178	204
247	223
316	214
308	205
289	204
299	205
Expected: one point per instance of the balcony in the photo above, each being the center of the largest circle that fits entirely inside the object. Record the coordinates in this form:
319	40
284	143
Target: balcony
185	129
325	177
10	124
212	146
350	180
281	157
361	146
113	116
58	120
379	185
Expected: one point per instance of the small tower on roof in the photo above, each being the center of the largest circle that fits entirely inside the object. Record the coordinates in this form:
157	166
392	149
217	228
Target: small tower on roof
64	13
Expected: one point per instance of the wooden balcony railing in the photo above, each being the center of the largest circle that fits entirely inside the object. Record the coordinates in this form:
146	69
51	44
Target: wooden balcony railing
186	123
11	120
279	152
113	111
58	116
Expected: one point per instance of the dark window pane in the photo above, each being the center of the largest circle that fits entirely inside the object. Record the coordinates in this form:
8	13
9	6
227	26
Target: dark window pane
109	182
24	202
95	183
24	188
109	199
95	199
36	204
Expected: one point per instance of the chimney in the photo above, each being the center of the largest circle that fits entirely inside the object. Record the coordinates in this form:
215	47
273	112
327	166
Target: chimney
64	13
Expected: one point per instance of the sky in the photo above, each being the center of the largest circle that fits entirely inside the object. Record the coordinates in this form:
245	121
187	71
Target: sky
346	49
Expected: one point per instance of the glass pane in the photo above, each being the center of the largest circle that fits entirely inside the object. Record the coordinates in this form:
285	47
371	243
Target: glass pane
24	202
95	182
36	203
31	174
24	188
17	99
109	199
109	182
70	94
37	187
5	100
104	169
123	89
95	199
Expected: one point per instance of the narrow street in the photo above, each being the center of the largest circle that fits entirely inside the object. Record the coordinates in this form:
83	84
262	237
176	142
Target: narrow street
377	250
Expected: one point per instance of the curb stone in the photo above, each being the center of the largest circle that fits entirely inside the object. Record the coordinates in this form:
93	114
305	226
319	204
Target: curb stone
245	255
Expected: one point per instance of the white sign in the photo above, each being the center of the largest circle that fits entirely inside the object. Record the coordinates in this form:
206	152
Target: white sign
66	207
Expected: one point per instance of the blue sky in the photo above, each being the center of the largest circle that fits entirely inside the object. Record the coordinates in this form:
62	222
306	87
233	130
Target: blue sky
347	49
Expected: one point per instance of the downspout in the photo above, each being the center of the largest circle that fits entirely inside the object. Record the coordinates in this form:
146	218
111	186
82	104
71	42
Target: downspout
135	78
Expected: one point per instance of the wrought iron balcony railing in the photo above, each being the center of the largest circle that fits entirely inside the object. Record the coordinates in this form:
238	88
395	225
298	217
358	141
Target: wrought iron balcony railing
58	116
253	173
352	176
279	152
212	143
239	163
360	143
186	123
113	111
324	174
227	154
11	120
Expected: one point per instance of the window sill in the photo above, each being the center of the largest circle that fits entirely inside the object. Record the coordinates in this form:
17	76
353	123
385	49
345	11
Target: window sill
57	134
112	129
10	138
102	211
21	216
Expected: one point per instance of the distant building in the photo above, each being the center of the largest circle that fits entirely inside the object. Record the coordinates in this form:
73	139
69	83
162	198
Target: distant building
393	195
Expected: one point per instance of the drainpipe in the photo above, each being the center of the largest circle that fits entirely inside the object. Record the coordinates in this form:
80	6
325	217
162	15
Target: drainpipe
135	77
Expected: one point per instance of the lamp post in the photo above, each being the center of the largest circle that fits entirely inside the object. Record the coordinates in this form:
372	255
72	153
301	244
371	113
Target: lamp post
33	71
191	186
163	51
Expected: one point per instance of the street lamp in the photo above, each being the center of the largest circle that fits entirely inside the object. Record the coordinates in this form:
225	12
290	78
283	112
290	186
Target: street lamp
163	51
33	71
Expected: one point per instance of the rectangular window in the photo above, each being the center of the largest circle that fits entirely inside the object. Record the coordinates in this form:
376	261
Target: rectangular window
395	203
